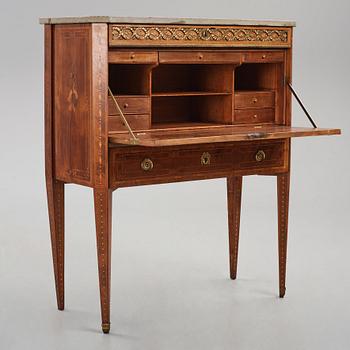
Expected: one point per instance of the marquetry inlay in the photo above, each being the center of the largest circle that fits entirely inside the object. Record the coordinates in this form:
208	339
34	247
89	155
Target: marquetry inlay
172	35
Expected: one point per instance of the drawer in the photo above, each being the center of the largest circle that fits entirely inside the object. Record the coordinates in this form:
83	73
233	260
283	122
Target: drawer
131	57
254	115
261	155
254	99
184	57
136	122
140	165
263	56
129	105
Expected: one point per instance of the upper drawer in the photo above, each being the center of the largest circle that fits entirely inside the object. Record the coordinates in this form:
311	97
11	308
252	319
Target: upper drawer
263	56
129	105
130	57
254	99
176	35
199	57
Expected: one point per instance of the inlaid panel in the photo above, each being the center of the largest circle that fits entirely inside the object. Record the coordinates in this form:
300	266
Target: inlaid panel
191	35
72	98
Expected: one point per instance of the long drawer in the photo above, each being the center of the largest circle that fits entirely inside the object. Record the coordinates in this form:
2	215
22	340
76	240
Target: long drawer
141	165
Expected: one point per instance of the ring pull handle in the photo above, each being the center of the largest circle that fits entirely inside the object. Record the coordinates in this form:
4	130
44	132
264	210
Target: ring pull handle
260	156
147	164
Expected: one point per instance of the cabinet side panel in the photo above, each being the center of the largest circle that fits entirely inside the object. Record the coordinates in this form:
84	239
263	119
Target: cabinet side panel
72	98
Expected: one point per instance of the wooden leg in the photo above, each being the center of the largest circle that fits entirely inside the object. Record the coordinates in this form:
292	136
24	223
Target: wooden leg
283	182
234	194
103	217
55	199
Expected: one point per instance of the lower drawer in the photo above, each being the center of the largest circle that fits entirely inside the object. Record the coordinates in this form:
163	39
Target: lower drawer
133	165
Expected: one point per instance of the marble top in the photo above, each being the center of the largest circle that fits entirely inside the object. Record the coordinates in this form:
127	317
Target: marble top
161	20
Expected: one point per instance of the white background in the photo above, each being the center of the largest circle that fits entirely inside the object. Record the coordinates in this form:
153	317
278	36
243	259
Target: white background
170	279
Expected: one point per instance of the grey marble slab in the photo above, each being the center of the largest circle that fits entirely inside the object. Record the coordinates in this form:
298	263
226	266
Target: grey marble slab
161	20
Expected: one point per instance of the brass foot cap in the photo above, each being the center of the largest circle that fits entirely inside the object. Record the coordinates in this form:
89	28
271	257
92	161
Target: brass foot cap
106	327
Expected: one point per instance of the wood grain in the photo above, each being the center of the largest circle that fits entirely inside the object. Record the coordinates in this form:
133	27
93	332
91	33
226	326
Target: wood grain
205	101
227	133
54	188
72	96
132	57
181	163
283	182
103	218
234	195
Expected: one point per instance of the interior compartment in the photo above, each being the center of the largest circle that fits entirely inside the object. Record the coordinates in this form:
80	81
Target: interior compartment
177	78
259	85
257	76
192	109
129	79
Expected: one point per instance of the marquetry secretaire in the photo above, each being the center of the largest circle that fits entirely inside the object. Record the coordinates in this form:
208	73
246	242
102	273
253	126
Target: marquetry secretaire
136	101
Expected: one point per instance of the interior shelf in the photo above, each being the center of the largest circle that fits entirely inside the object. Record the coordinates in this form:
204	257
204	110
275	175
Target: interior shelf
183	125
189	93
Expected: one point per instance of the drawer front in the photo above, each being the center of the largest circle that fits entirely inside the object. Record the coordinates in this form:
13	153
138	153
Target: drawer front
140	165
130	57
260	155
258	99
263	56
254	115
199	57
129	105
136	122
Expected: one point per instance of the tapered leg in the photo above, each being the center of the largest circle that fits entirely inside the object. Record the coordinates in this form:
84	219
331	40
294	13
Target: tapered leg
103	217
283	182
55	199
234	194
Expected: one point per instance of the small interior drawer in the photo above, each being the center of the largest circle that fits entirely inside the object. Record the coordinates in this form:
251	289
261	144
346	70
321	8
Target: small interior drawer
136	122
263	56
129	57
129	105
254	115
254	99
178	57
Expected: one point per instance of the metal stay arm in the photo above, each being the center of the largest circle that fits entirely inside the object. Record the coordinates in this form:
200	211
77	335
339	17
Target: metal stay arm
301	105
134	138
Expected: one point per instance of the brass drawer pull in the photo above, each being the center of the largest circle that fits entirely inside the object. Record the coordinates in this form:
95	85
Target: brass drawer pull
254	100
260	156
147	164
205	158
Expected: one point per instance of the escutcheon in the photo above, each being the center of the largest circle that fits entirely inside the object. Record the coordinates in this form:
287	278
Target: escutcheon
205	158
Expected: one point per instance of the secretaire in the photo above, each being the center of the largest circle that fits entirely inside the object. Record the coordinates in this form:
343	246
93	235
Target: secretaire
137	101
